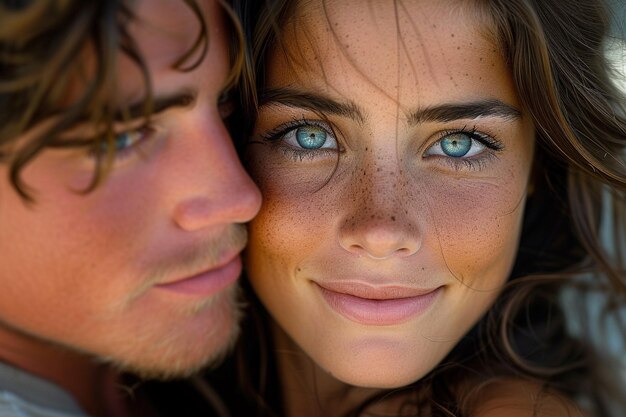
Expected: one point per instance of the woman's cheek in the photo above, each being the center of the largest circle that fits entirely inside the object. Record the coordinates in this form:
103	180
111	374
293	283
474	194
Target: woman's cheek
476	226
298	206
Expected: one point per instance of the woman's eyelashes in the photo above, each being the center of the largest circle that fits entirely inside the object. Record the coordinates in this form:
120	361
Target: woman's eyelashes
300	139
464	149
311	139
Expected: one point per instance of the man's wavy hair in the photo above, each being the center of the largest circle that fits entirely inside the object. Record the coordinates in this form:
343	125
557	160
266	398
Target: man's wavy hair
555	51
42	50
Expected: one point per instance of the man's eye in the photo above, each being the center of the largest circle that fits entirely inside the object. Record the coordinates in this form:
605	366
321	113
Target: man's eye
125	142
128	139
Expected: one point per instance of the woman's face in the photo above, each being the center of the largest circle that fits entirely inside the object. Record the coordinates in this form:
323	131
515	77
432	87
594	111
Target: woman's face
393	156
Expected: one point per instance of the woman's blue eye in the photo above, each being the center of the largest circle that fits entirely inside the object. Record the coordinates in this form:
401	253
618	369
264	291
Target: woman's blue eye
456	145
311	137
300	138
304	137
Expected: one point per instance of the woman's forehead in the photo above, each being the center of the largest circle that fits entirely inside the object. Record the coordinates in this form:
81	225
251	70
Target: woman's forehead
388	17
419	30
411	49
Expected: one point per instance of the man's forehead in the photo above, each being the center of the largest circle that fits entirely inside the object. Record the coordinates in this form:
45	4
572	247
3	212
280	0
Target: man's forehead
164	30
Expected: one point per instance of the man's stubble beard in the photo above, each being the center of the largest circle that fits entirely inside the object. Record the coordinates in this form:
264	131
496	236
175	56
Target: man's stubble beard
153	357
167	359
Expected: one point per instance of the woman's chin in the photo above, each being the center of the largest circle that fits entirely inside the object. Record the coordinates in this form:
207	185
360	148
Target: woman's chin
377	377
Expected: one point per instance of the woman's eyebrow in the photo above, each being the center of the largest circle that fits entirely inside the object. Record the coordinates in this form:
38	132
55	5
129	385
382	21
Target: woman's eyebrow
448	112
445	112
311	101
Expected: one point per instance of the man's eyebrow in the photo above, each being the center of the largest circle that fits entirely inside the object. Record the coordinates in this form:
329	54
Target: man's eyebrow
471	110
158	105
311	101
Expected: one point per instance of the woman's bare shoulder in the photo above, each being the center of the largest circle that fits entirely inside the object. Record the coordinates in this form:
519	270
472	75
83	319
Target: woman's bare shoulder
518	398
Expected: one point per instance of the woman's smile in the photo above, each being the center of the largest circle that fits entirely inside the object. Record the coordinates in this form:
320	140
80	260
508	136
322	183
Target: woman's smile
393	188
377	306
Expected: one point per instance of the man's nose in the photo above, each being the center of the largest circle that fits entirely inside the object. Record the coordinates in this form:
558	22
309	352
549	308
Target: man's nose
217	189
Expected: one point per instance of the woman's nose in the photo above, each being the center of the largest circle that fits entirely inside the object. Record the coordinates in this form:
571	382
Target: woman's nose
378	223
380	237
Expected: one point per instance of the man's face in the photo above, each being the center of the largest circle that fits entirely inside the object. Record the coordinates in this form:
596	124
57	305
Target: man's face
142	271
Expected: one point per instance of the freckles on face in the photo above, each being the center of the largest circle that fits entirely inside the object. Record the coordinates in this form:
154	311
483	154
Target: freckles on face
397	204
287	213
475	226
395	49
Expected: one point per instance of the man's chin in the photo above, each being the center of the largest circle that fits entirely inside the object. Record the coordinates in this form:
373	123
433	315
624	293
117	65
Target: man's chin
177	368
178	363
183	356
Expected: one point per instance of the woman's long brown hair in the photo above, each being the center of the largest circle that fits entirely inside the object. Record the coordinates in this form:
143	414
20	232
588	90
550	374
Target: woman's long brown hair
556	53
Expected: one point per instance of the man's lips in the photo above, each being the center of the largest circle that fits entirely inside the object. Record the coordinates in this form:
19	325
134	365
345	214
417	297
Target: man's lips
208	282
379	306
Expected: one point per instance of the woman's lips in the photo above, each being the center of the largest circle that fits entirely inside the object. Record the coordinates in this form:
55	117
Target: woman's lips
209	282
383	306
